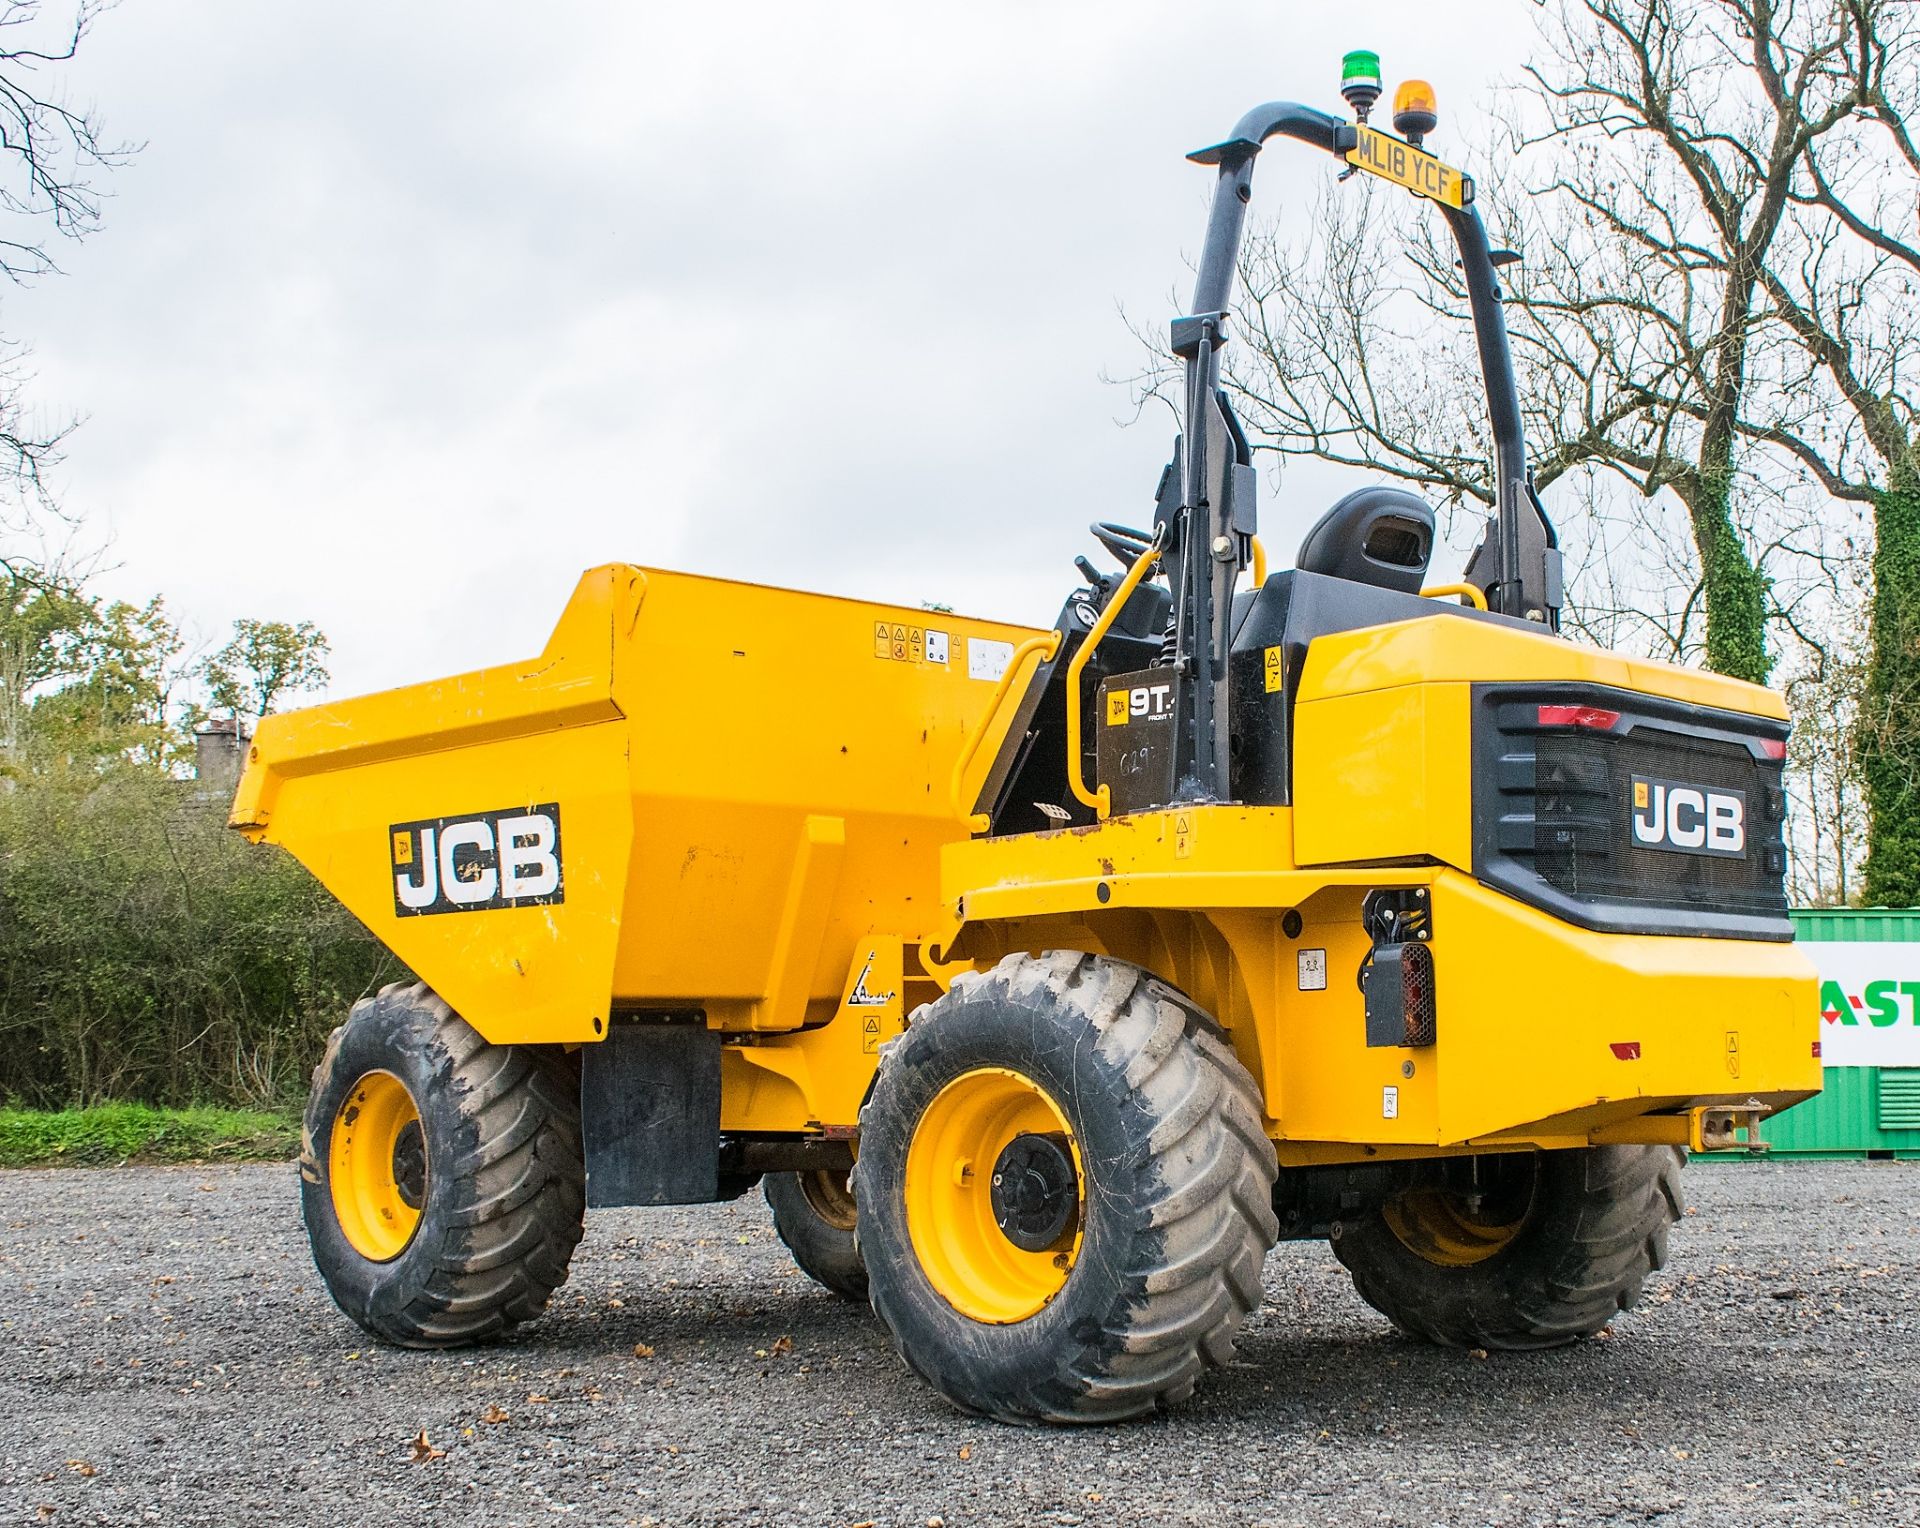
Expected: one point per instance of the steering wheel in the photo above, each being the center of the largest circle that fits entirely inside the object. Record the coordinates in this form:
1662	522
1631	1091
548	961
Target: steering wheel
1126	543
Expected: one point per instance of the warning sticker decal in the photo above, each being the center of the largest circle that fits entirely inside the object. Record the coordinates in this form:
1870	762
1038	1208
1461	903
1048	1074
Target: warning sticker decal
903	642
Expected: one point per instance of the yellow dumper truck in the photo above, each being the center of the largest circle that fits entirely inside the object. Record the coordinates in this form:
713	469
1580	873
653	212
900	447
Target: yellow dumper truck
1047	976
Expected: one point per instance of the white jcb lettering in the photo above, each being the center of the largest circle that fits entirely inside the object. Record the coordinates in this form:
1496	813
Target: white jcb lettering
425	891
1691	818
1692	833
1726	823
481	881
1652	828
529	867
479	862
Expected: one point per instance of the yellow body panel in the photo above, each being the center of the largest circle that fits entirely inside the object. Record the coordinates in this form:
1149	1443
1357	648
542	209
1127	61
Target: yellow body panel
1529	1008
817	1078
791	785
750	782
330	782
1378	774
1442	649
759	820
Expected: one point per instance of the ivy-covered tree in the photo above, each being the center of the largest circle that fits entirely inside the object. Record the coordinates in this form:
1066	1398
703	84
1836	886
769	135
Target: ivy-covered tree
1848	290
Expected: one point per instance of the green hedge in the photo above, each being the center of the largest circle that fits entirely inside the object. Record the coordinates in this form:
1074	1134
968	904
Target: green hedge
148	954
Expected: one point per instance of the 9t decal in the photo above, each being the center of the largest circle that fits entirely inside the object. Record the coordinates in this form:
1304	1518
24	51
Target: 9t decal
1689	819
508	858
1142	703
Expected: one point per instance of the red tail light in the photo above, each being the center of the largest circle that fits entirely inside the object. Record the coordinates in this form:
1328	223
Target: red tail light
1597	718
1773	747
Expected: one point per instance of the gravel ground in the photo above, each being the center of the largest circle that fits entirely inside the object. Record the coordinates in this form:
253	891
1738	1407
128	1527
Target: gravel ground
167	1355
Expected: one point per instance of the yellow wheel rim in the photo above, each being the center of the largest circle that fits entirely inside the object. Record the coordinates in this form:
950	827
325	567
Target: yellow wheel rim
951	1220
828	1195
1437	1224
377	1167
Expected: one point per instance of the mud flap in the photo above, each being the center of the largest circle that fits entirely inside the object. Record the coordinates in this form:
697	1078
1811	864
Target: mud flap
650	1112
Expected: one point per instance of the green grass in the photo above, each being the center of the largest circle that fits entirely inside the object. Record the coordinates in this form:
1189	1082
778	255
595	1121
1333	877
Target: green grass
116	1133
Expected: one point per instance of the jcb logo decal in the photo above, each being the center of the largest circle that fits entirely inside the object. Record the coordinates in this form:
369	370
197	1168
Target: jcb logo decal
1689	819
505	858
1142	703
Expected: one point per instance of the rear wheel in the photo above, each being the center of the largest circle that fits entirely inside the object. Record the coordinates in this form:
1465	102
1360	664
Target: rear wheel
442	1179
1529	1250
814	1215
1064	1192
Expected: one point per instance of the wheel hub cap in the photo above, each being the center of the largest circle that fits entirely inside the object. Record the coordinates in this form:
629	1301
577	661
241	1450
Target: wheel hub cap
410	1165
1036	1197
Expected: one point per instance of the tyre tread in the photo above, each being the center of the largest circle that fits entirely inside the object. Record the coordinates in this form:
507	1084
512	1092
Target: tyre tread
1208	1220
521	1184
1629	1198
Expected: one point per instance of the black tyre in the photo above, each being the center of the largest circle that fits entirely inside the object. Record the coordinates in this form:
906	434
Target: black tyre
1064	1192
1530	1250
813	1213
442	1179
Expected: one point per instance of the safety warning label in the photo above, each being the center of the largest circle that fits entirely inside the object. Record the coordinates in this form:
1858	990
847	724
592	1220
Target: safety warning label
901	642
1313	970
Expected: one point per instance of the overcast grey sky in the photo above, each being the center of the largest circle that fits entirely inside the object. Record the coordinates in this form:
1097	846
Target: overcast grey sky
406	314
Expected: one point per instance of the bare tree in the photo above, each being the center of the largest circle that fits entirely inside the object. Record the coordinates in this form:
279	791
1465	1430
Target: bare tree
1827	825
52	155
1644	171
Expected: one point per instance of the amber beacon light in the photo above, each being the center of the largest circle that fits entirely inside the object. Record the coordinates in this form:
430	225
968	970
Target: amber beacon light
1415	112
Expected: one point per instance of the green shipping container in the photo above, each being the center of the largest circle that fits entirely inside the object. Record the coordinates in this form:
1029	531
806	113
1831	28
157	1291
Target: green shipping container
1863	1110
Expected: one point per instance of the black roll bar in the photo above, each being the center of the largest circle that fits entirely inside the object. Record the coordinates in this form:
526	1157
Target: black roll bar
1517	565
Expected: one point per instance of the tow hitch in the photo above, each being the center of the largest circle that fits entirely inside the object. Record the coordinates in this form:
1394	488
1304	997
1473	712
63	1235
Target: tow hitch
1717	1127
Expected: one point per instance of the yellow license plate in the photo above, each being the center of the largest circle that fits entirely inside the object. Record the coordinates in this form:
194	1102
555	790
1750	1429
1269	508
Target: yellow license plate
1384	155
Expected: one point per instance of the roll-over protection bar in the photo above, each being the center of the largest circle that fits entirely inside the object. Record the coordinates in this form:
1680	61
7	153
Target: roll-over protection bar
1517	565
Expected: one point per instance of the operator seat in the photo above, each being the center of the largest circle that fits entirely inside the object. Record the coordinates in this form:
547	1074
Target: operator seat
1381	536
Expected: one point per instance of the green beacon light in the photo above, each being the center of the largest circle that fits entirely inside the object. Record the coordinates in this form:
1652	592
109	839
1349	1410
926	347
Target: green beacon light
1360	81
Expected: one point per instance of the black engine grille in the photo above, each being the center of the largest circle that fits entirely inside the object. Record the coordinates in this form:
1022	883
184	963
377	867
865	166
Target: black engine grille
1554	809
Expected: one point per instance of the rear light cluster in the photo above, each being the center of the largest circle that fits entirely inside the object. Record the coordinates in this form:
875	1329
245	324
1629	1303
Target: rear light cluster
1600	719
1593	718
1398	995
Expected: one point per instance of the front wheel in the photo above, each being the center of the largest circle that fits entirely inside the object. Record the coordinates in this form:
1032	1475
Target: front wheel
1064	1192
442	1179
1522	1250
